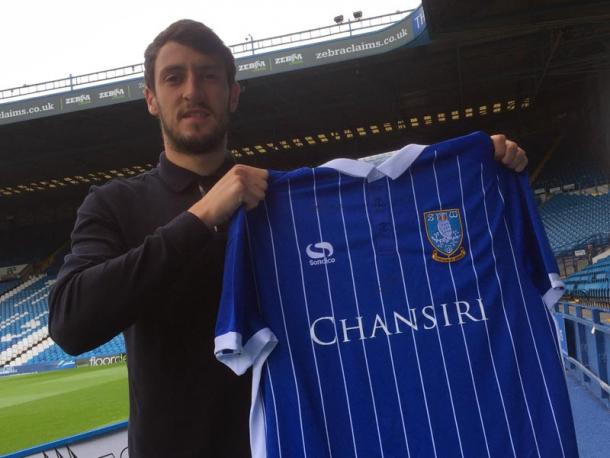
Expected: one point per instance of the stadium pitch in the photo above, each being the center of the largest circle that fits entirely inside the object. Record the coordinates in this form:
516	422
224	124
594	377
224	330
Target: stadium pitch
39	408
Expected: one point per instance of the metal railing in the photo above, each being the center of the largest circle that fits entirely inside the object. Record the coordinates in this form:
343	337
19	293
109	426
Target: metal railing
589	353
351	27
596	240
252	47
591	375
72	82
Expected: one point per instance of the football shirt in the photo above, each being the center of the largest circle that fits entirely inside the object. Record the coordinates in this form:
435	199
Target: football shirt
397	309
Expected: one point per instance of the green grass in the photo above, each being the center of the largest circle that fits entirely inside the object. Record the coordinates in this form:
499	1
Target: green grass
39	408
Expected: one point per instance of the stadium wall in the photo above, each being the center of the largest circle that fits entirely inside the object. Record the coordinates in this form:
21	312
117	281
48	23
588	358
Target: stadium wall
34	368
105	360
109	441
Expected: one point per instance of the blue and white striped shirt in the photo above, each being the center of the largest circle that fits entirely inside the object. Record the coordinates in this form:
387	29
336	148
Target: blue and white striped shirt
397	309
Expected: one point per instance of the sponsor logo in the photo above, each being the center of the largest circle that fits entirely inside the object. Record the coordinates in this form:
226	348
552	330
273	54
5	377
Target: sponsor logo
420	21
117	93
330	330
49	106
363	46
320	253
292	59
140	88
107	360
82	99
256	66
12	113
319	250
445	234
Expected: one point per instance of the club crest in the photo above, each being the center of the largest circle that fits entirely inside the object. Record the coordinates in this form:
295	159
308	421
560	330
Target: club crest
445	234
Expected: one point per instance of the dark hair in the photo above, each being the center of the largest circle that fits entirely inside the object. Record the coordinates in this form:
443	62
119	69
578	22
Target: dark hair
194	35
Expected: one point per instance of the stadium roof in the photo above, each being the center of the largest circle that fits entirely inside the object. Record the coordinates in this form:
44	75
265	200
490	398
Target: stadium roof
468	16
530	81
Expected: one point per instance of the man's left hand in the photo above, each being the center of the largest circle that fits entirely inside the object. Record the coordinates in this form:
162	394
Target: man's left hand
509	153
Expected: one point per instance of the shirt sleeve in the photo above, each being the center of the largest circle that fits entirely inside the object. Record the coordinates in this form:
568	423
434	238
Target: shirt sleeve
532	243
103	287
242	337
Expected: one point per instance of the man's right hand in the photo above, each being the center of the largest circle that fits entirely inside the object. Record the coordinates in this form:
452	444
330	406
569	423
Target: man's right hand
241	185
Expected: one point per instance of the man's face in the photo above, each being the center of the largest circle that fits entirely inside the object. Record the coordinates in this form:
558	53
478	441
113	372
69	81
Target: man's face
192	99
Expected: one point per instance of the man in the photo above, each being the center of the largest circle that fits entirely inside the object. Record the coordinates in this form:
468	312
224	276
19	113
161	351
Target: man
147	257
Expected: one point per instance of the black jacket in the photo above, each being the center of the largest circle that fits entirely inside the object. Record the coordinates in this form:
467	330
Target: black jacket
142	265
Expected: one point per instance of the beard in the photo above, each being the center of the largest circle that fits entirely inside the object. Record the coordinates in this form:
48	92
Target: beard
196	145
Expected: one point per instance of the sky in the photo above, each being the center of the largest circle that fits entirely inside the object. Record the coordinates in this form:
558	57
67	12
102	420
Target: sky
42	40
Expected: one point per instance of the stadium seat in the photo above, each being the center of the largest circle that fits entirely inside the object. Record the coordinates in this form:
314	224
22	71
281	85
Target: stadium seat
574	221
24	337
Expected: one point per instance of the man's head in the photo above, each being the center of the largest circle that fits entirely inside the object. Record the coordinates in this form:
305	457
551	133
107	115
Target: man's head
190	87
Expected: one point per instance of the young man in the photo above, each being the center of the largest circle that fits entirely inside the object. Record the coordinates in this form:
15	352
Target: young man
147	257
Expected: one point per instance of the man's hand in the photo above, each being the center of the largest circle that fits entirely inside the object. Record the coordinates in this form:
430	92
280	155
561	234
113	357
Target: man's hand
509	153
241	185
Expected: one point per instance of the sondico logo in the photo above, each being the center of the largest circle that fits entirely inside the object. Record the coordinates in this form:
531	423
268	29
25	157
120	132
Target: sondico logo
320	253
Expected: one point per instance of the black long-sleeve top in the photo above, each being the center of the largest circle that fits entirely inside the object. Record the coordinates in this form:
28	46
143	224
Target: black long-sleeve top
142	265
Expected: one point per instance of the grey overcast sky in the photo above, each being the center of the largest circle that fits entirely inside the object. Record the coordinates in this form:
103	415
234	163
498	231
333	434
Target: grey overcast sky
41	40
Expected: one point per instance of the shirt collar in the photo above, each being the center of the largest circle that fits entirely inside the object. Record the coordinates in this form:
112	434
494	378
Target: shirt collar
180	179
393	167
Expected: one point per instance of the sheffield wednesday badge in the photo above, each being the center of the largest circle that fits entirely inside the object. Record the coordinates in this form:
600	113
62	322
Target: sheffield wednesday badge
444	231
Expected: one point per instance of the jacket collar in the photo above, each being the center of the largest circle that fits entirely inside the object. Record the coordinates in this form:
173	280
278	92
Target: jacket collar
179	179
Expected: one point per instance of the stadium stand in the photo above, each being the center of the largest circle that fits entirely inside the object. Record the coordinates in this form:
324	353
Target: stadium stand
582	175
24	336
574	166
22	312
591	283
6	286
573	221
29	243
